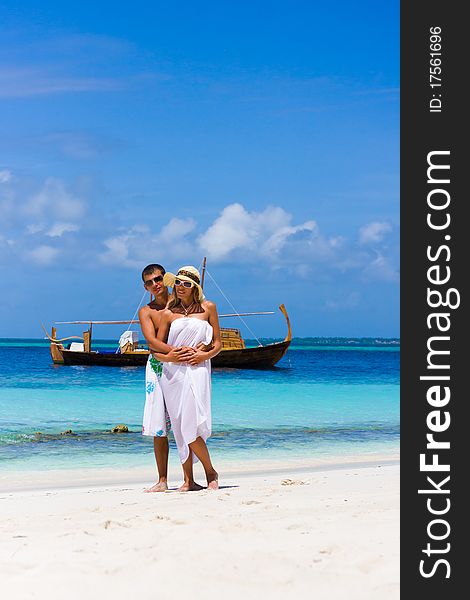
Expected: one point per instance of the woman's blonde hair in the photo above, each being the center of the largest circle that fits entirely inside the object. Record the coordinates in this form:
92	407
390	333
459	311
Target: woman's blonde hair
175	301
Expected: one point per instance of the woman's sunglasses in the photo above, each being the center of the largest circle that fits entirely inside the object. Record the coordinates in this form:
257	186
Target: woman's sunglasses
153	281
186	284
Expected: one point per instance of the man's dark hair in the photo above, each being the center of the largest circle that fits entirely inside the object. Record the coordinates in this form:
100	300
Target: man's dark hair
149	269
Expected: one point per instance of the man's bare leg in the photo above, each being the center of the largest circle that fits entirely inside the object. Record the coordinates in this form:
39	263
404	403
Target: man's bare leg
161	450
189	484
200	450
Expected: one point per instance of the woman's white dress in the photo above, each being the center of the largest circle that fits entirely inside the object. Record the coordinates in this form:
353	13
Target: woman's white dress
187	389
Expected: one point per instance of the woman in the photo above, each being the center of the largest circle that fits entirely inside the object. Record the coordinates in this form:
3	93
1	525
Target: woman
190	320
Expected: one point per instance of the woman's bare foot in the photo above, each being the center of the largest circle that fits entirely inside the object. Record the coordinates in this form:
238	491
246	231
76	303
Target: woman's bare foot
213	481
160	486
190	487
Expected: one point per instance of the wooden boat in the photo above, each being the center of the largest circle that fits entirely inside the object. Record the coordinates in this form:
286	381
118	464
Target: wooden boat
234	352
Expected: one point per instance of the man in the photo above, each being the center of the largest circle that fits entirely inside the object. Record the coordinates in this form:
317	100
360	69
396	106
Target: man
156	421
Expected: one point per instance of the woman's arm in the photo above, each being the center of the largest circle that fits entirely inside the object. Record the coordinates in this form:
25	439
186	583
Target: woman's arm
199	356
175	354
214	321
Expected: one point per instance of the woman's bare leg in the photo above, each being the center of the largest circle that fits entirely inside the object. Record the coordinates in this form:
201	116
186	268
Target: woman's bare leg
189	484
200	450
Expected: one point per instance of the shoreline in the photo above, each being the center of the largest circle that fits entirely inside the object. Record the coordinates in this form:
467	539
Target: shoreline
94	477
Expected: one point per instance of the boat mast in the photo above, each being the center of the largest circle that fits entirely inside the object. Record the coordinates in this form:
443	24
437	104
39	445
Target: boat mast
203	272
236	314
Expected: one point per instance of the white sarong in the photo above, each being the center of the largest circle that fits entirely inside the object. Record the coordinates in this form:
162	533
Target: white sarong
187	389
156	421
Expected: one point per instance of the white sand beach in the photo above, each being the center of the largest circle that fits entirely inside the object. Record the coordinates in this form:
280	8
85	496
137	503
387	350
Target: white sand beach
326	531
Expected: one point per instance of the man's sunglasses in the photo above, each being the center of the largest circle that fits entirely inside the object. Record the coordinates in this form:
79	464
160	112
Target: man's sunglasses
186	284
153	281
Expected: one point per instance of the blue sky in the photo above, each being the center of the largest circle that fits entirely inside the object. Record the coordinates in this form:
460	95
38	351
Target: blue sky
263	135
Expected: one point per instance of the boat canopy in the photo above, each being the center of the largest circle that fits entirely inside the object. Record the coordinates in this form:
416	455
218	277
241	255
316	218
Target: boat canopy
128	337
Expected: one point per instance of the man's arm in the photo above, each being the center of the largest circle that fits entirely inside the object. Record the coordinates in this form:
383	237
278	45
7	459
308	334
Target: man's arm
148	331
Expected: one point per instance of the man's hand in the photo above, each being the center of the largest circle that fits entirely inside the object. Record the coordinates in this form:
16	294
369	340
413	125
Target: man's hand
198	357
204	347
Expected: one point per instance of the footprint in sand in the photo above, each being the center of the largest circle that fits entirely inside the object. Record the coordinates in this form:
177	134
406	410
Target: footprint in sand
294	482
169	519
108	524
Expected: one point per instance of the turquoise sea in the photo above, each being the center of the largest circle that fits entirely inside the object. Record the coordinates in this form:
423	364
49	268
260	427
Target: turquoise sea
327	398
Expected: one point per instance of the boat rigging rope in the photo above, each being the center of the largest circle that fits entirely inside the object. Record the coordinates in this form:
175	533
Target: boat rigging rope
234	309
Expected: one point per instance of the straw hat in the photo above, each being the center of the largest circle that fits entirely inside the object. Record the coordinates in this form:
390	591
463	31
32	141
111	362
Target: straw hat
187	273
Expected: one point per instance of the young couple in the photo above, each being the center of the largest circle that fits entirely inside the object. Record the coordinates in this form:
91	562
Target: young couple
183	334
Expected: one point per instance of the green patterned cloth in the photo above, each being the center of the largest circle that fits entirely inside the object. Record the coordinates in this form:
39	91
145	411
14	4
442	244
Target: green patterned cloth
156	421
157	366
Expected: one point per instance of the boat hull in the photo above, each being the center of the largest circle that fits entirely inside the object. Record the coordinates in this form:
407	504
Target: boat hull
262	357
103	359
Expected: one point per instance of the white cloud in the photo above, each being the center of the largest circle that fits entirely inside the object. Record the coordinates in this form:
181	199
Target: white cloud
233	229
50	220
43	255
381	269
139	245
253	234
32	216
5	176
59	229
373	233
175	230
117	251
53	200
33	228
20	82
280	238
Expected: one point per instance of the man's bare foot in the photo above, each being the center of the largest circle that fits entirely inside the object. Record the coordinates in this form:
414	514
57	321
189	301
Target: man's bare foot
190	487
160	486
213	481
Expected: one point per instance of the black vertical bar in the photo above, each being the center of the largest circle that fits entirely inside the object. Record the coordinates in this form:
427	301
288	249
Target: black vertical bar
433	119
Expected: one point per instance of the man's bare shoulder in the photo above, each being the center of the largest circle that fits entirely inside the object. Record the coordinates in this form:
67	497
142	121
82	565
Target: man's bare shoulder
144	311
154	307
154	313
150	308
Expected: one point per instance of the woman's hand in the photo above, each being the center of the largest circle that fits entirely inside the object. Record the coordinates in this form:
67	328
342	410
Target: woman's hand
181	354
198	357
